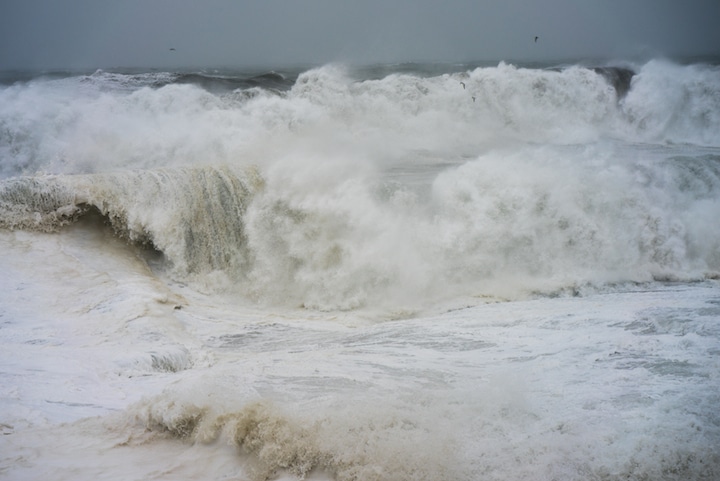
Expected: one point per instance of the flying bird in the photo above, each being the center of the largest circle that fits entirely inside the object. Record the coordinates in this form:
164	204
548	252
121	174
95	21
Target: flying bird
463	84
536	37
172	49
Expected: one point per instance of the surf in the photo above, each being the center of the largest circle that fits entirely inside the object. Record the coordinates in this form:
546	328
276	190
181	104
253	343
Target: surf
343	238
395	272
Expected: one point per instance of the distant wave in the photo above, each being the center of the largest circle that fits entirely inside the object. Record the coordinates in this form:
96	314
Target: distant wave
216	82
46	122
229	83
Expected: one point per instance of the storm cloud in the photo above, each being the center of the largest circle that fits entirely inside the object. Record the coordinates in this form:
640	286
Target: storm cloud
174	33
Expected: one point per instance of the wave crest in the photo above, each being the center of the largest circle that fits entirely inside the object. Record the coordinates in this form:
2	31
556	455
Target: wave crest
195	216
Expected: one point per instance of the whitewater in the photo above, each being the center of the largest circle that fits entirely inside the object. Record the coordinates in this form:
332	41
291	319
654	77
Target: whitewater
395	272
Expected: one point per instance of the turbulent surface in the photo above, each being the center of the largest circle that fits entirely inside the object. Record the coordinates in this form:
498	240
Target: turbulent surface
384	273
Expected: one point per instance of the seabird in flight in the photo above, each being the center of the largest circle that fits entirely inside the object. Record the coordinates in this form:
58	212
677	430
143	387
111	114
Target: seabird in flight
536	37
463	84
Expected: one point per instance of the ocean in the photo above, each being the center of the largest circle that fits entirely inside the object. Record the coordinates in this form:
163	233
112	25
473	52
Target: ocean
397	272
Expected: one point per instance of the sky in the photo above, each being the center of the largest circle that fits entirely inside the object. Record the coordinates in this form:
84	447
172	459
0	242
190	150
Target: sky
64	34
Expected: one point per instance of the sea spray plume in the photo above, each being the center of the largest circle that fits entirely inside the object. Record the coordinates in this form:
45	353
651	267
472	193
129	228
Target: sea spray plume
502	225
614	222
104	121
567	106
76	126
675	104
433	113
323	237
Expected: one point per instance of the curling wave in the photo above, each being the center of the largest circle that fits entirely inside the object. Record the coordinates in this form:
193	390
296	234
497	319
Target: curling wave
194	216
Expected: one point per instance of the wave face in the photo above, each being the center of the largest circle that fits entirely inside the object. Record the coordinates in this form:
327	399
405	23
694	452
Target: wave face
341	192
193	215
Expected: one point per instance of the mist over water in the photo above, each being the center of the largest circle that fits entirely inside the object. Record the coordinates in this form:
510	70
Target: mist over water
393	272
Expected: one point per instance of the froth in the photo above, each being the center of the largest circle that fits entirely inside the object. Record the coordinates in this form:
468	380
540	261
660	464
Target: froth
109	121
672	103
70	127
506	224
326	230
388	191
370	445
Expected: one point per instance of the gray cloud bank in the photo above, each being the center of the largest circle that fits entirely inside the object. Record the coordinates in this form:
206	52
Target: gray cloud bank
225	33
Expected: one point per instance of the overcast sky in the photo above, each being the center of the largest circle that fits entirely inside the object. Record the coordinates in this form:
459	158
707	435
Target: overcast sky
234	33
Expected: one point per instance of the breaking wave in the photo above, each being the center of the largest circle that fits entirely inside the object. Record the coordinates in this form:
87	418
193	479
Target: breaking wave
372	446
109	121
329	191
503	225
194	215
382	442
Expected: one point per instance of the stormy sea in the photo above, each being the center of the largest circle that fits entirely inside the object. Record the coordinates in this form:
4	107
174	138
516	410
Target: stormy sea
439	272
